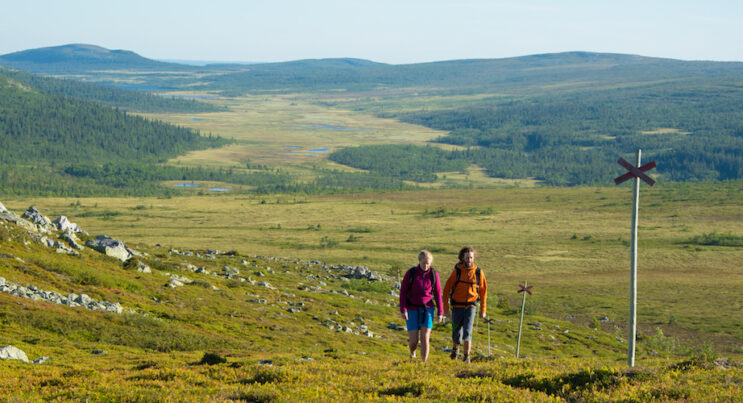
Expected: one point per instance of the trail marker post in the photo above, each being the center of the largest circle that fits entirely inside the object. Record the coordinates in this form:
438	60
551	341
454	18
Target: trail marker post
523	288
637	172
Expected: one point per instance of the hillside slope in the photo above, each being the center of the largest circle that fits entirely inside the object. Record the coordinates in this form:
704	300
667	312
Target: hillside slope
231	326
82	58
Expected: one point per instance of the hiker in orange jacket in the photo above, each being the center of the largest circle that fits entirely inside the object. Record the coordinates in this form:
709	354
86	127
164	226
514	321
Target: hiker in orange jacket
465	286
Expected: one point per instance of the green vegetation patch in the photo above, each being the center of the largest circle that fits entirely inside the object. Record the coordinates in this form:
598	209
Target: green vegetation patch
717	239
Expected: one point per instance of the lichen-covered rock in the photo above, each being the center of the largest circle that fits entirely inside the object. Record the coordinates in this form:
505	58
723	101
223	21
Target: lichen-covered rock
110	247
12	353
72	240
42	222
12	217
64	225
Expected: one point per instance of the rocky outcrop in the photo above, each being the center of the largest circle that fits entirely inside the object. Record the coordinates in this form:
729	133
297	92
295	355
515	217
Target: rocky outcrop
110	247
71	300
64	225
72	240
2	208
12	217
12	353
359	272
43	223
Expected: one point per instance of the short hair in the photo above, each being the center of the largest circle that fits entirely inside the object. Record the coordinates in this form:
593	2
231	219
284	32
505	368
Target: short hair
425	253
466	250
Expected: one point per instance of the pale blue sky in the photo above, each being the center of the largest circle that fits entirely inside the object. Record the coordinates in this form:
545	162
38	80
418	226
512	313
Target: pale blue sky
391	31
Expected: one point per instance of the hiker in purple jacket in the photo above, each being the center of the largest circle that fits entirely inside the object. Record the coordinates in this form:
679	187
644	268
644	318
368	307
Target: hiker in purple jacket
419	291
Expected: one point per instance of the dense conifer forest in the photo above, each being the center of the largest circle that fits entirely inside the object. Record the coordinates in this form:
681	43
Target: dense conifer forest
130	100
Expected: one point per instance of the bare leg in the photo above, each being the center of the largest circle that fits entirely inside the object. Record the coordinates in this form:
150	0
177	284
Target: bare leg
412	341
467	347
425	336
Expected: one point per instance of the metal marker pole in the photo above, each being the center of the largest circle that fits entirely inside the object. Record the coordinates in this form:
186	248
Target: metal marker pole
521	321
633	272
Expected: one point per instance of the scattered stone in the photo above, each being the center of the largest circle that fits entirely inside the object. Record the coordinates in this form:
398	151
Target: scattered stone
72	300
143	268
110	247
294	310
267	285
41	360
258	300
266	362
99	352
201	269
230	271
12	353
2	208
72	240
395	326
604	319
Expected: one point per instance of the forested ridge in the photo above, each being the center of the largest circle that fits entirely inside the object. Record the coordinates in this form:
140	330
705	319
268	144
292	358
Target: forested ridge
693	129
130	100
41	133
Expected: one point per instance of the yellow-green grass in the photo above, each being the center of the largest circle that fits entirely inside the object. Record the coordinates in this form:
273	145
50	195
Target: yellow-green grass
265	125
572	244
281	131
528	235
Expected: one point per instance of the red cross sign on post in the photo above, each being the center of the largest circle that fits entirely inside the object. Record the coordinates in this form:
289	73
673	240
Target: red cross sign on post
637	172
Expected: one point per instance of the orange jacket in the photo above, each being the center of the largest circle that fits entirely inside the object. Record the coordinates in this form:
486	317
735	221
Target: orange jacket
465	292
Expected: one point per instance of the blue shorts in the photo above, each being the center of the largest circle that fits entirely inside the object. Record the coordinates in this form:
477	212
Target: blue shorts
417	318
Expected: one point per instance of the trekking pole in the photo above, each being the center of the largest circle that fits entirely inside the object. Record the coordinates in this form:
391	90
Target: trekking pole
525	290
489	322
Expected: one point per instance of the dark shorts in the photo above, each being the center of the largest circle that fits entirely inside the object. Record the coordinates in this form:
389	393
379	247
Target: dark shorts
462	320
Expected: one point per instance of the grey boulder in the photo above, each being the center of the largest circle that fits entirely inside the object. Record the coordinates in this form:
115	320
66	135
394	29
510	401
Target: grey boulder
12	353
110	247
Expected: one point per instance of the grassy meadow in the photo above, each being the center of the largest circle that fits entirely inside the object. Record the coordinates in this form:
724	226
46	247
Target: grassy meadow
572	244
227	340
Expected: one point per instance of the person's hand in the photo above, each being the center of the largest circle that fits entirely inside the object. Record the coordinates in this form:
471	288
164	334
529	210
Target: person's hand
447	314
482	315
404	315
441	318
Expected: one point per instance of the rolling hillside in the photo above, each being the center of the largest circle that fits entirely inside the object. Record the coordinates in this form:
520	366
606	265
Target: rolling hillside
78	58
172	324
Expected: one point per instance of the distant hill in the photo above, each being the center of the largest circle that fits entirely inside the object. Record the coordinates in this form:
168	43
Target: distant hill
81	57
518	75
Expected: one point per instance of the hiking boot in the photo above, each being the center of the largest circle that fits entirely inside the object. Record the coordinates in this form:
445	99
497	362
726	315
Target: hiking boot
466	358
454	353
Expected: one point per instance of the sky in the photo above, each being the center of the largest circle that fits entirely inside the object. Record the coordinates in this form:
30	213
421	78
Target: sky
388	31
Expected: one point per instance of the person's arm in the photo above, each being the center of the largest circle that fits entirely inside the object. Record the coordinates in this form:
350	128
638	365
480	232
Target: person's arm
483	294
404	293
447	290
437	296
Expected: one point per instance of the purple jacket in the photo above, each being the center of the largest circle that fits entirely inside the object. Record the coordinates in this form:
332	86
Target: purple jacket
421	291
